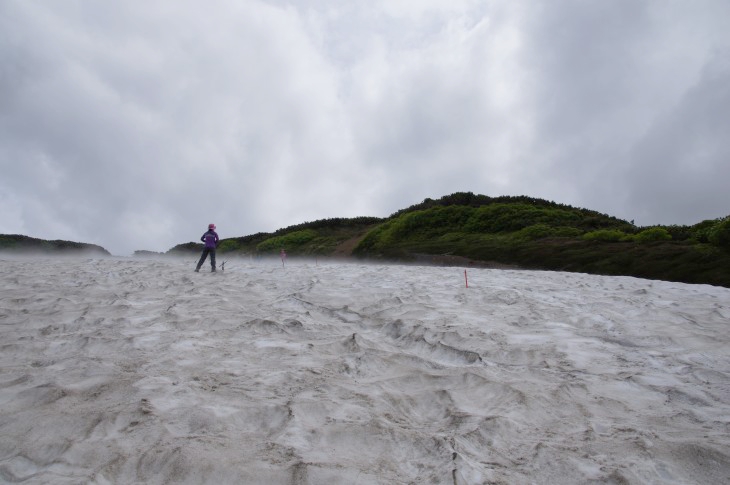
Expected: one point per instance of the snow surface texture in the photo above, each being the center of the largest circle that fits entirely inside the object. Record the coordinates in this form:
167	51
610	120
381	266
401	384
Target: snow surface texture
142	371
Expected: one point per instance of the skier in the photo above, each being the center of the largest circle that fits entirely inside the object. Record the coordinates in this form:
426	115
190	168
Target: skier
210	238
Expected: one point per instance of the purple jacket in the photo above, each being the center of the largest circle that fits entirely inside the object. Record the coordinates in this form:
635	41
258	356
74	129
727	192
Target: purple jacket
210	239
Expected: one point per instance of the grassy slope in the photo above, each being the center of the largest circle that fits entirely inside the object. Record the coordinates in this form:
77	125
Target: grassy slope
325	237
512	231
467	228
23	244
538	234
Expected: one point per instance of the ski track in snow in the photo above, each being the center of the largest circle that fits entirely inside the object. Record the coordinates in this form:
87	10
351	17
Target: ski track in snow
141	371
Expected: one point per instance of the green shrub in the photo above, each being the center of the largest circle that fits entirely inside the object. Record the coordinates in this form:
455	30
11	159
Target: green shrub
701	230
514	217
228	245
289	240
432	222
565	231
680	233
653	234
190	247
605	235
719	234
536	231
8	242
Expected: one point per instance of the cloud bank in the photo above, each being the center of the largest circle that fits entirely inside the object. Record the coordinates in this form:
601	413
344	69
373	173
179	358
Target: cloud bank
134	125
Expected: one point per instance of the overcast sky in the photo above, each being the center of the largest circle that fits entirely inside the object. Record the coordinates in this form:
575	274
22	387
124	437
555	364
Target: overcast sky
133	124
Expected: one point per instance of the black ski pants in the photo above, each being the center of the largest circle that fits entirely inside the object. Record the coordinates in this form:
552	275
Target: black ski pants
207	251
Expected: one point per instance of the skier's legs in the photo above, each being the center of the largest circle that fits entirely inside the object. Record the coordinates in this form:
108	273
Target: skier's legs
202	258
212	259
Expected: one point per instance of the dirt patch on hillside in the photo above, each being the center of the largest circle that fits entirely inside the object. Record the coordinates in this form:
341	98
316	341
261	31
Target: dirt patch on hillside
345	248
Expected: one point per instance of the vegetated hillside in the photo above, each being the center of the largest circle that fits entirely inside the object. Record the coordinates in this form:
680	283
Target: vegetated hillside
538	234
17	243
507	231
318	238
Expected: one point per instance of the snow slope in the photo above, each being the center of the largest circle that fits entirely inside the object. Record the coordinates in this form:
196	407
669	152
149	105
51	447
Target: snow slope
141	371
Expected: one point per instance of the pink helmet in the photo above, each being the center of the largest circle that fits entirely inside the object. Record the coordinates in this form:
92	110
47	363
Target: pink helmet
211	226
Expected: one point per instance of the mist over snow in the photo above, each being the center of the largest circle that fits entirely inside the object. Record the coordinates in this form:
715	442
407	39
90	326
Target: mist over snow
116	370
133	125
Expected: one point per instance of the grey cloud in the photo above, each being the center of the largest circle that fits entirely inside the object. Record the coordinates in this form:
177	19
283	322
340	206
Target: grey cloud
680	168
604	75
135	124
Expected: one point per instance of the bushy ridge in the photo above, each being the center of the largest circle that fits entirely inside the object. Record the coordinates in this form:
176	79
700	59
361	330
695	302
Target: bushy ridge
538	234
517	203
141	253
17	243
316	238
465	228
521	231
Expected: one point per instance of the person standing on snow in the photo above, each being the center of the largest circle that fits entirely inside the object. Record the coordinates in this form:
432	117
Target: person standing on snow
210	238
